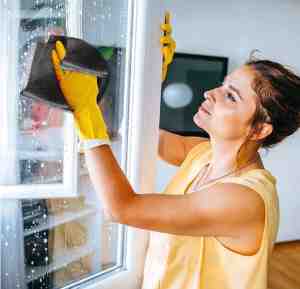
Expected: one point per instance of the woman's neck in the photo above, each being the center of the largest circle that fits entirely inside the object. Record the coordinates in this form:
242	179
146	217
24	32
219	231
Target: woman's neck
227	156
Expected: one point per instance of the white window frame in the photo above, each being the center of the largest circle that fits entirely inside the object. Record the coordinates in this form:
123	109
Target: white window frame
141	125
8	125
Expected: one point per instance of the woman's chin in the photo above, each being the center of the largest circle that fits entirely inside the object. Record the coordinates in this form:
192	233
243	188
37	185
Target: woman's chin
198	120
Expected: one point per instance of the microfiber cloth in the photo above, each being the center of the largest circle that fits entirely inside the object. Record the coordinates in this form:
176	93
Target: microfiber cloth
81	57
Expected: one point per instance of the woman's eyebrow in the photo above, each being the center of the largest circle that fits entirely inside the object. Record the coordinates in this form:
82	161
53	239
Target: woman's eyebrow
226	79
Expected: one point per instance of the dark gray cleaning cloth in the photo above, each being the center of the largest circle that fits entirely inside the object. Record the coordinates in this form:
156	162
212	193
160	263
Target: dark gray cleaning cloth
81	56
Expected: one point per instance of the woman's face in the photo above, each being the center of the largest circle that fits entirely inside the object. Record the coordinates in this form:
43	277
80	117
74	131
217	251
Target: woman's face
228	110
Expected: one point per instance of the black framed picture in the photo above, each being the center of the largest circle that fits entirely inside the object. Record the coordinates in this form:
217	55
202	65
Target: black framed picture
189	76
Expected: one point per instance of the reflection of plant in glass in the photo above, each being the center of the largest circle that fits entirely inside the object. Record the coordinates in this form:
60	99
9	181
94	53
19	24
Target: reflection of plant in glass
111	103
43	115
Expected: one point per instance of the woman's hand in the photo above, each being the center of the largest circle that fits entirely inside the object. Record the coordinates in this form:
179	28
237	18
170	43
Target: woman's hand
80	91
168	45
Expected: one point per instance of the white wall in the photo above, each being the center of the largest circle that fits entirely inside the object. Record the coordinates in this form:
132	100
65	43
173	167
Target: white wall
233	28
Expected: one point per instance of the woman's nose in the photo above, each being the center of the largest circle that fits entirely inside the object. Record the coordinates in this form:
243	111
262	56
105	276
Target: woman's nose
209	94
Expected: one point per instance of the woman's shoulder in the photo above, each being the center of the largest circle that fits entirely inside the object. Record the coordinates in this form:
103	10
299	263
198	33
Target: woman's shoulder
264	184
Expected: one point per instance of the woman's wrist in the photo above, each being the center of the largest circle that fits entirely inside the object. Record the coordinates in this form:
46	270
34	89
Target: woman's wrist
92	143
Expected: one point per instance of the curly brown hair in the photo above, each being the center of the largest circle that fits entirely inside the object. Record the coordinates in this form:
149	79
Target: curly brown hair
278	90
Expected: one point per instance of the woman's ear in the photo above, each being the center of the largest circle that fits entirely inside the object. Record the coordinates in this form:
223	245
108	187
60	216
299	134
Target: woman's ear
262	131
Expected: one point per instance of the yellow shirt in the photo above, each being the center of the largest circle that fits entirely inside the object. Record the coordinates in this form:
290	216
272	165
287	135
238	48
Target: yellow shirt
186	262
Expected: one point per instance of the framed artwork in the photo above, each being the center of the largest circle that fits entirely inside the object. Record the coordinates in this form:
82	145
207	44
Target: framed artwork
189	76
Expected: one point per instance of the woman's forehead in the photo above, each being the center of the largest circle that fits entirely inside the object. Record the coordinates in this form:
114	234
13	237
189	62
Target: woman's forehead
242	78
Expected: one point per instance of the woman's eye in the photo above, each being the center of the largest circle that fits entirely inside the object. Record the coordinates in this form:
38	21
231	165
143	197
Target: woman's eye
230	96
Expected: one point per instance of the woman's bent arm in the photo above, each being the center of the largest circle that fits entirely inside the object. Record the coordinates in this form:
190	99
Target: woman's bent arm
173	148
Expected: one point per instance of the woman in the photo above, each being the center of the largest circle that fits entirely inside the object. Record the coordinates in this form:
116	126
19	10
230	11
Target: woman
215	224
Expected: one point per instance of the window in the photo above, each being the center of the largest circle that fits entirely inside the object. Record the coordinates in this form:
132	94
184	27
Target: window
53	230
53	220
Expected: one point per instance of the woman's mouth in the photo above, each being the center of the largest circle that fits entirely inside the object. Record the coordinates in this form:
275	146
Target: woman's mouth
204	110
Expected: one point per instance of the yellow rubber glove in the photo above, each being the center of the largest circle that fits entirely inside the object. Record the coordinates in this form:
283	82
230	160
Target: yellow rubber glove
80	91
168	45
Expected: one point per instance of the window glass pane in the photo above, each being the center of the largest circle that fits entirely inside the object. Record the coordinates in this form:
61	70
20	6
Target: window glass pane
66	240
40	137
